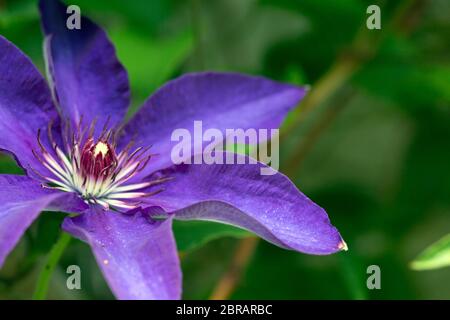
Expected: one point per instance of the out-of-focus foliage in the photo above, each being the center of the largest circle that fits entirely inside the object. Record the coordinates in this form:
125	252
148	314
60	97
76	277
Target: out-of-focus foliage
194	234
378	147
435	256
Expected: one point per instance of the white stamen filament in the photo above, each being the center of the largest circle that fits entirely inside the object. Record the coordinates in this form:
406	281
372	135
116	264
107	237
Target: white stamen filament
103	183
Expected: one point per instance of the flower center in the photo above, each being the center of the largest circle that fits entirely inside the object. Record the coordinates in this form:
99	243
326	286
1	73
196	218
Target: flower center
97	159
92	169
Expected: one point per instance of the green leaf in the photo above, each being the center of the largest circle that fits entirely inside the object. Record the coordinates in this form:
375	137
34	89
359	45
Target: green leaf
235	35
435	256
406	85
8	166
150	62
18	12
193	234
402	75
48	228
352	270
144	15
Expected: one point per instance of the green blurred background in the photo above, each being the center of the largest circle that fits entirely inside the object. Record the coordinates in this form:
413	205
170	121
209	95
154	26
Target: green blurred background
371	143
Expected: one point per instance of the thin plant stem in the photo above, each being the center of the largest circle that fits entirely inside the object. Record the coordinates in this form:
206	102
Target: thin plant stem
231	278
314	134
40	292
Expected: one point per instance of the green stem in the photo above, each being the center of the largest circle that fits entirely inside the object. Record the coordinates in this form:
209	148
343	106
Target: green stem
354	277
55	254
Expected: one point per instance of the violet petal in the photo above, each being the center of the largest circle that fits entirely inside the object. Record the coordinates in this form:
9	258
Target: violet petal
269	205
25	105
219	100
21	201
138	259
88	79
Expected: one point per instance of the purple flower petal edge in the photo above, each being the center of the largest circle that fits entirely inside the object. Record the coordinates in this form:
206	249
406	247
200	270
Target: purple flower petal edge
86	75
25	105
21	201
269	205
138	257
220	100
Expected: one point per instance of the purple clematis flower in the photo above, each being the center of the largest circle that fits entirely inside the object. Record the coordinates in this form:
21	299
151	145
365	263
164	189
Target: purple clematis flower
80	157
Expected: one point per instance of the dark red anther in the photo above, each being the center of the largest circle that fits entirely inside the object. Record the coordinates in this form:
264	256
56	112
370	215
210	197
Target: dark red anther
97	159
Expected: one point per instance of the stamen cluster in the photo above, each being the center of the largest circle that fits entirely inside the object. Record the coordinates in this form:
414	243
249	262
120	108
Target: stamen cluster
91	168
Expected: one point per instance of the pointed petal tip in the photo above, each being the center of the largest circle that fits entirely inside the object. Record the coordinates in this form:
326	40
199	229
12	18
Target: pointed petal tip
342	246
